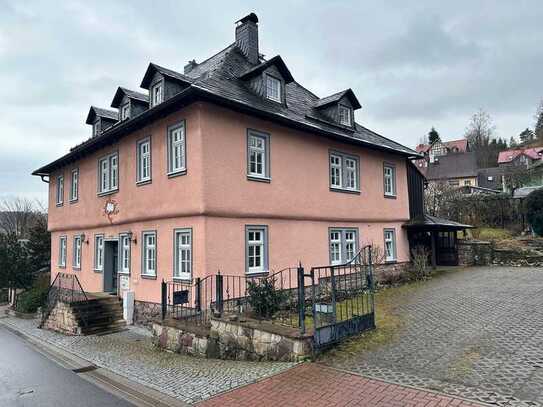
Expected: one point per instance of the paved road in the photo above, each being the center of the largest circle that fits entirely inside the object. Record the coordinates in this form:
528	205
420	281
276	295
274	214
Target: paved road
476	333
28	378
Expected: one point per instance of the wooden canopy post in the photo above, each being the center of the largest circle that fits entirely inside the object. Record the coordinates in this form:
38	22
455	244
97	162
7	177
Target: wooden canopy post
434	253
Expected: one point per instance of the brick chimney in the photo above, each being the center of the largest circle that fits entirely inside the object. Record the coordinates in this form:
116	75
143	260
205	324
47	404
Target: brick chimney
190	66
247	37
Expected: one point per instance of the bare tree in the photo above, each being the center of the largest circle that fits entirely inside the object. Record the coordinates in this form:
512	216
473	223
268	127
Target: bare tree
479	133
17	215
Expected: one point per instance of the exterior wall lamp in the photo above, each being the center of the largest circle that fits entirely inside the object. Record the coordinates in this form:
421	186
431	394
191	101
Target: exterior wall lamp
130	235
83	239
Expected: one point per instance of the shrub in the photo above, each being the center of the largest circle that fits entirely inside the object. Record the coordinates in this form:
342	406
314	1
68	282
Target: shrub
30	300
534	210
419	269
264	299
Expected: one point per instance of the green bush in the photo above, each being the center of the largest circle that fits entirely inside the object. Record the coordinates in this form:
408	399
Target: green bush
264	299
534	210
29	301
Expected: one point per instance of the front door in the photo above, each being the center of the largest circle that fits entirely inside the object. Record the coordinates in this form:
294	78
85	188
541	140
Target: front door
111	264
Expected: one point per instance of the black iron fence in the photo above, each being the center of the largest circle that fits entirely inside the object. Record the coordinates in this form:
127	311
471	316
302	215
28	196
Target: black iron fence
65	288
329	302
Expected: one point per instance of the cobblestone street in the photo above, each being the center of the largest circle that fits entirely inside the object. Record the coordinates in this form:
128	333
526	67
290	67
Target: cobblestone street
475	333
131	354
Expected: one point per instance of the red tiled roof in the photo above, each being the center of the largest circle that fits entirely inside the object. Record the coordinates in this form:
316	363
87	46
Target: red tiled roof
461	145
509	155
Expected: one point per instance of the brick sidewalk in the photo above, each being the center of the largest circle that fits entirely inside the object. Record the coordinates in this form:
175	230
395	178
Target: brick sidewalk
315	385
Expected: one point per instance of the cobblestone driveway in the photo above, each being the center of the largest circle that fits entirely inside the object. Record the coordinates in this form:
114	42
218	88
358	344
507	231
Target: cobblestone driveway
475	333
131	354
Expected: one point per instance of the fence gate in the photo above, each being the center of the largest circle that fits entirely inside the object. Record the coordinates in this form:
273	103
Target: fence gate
342	299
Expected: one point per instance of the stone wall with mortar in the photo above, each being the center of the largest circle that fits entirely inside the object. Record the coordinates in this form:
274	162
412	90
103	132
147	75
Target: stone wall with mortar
145	313
516	258
474	253
62	319
390	273
234	340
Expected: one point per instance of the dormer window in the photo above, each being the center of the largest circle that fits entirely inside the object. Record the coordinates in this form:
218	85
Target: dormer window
344	114
125	112
273	88
156	94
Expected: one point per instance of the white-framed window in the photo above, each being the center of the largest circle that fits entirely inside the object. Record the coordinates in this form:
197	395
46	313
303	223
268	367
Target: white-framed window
74	186
176	148
273	88
183	254
390	244
77	252
62	247
256	238
343	243
124	254
108	173
96	128
467	182
344	114
490	178
149	254
60	189
125	111
99	252
144	160
157	94
389	178
257	154
344	172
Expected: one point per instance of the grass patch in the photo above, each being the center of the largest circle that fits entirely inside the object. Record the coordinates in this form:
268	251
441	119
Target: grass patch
489	234
463	366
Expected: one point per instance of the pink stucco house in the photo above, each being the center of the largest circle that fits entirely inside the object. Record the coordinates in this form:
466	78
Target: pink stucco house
232	166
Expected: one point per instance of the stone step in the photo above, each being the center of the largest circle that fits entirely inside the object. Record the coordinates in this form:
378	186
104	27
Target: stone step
100	328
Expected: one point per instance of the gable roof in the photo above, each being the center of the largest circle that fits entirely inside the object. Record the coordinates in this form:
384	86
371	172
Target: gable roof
217	80
103	113
277	61
461	145
336	97
153	68
460	165
535	153
121	92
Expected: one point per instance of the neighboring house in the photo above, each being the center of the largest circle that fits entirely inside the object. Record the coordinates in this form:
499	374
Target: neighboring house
491	178
230	166
459	169
440	149
523	158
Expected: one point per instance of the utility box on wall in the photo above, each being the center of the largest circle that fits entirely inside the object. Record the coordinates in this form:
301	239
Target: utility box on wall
128	307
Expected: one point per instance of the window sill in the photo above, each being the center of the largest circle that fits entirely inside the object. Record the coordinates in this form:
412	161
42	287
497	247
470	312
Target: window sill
346	191
59	204
390	196
256	273
60	266
123	273
258	178
76	268
391	261
148	277
113	191
182	280
98	271
144	182
177	173
73	201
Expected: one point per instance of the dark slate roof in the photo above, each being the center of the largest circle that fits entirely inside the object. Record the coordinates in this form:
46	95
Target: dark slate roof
279	64
130	93
217	80
104	113
152	68
453	165
336	97
429	222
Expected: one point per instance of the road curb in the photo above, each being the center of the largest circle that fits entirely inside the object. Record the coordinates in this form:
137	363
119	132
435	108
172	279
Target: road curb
133	392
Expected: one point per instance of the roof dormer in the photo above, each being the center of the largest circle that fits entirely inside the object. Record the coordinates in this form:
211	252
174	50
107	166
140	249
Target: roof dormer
269	78
339	107
163	83
101	119
129	103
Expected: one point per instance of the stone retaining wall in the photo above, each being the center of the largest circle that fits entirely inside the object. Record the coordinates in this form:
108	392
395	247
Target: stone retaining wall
479	253
146	312
234	340
62	319
474	253
516	258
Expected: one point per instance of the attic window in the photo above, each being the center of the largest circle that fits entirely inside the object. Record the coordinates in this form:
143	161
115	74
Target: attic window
125	112
156	94
344	113
273	88
96	128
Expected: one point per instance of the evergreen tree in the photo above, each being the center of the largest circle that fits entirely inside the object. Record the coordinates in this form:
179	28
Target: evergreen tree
526	136
433	136
39	245
539	122
512	142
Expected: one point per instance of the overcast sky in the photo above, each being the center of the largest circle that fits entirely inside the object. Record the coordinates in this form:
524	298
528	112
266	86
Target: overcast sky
412	65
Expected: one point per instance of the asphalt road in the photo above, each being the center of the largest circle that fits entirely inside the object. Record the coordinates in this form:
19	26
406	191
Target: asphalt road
28	378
